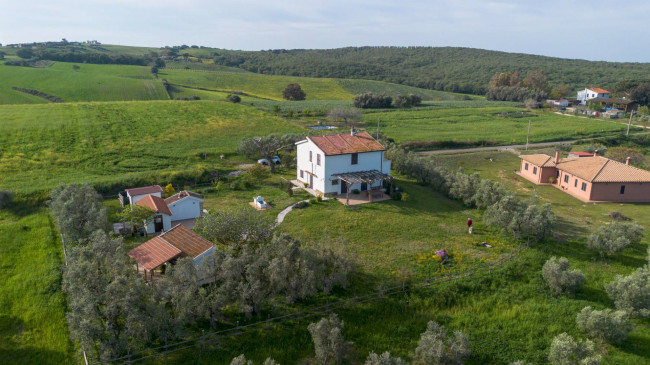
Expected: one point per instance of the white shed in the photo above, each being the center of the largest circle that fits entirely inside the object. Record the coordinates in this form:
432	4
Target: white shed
136	194
185	205
320	158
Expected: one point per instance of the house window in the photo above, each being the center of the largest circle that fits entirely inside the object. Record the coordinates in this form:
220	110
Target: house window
318	159
575	183
534	170
566	178
526	166
583	187
335	182
355	158
309	156
302	174
622	189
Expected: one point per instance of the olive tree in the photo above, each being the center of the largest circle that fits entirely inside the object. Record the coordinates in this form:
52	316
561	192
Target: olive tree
567	351
347	116
608	325
241	360
137	215
559	277
327	335
383	359
78	211
437	347
294	92
632	293
235	229
268	145
615	237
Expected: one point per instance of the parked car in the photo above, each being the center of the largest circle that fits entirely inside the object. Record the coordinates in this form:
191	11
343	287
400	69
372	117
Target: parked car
275	159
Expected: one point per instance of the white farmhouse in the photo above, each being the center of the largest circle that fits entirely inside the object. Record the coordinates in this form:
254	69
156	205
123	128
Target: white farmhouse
592	93
339	163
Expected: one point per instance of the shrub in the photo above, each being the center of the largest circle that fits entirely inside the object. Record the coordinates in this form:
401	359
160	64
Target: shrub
300	205
632	293
615	237
356	191
558	277
406	101
258	172
396	195
437	347
319	198
5	198
169	190
604	325
234	98
383	359
566	351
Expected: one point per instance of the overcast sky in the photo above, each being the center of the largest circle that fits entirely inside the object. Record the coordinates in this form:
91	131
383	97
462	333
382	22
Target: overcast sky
593	30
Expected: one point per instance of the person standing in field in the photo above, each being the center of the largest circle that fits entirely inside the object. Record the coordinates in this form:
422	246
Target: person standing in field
469	225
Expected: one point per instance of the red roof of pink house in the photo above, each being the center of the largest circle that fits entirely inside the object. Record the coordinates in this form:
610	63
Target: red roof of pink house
592	169
145	190
599	90
339	144
155	203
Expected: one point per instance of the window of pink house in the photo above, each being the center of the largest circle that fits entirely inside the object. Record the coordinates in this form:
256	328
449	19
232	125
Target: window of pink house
526	166
583	187
566	178
622	189
534	170
575	183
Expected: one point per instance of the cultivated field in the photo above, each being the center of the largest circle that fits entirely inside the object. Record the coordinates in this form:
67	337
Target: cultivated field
107	143
88	83
486	124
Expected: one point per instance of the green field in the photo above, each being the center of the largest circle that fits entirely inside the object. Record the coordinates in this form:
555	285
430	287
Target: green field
44	145
89	83
32	306
363	86
485	124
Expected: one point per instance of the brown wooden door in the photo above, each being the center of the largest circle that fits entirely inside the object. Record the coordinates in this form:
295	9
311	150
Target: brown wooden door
158	223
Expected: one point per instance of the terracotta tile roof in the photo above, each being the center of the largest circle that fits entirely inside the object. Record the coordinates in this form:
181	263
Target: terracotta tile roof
145	190
539	159
154	253
181	195
339	144
598	90
178	241
601	169
190	243
155	203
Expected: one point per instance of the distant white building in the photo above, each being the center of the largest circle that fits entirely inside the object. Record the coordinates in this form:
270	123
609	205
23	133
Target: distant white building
592	93
325	162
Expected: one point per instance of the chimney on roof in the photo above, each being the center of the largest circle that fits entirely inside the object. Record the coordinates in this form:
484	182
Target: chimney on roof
352	132
627	160
595	153
557	157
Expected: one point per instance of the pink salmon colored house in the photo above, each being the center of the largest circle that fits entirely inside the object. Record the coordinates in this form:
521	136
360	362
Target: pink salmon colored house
590	179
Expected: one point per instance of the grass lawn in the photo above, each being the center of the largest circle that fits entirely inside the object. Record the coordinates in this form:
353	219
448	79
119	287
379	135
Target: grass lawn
485	124
89	83
105	143
32	307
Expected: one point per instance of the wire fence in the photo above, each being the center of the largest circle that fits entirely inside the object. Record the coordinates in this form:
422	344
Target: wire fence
316	311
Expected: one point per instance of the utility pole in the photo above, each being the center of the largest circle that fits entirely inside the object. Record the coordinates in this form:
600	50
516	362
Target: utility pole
528	135
629	123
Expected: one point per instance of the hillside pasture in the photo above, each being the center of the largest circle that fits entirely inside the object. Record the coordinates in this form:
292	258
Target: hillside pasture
356	86
88	83
105	143
486	124
32	307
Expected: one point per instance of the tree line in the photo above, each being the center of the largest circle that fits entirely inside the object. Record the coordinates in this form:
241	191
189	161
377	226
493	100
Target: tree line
113	313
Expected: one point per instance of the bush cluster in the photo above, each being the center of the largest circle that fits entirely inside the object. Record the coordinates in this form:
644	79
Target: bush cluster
372	101
406	101
559	278
515	93
52	98
615	237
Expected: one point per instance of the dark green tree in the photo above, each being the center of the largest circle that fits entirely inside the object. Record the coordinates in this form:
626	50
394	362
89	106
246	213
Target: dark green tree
293	92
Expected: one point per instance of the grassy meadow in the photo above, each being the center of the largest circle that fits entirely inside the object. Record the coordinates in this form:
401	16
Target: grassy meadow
32	307
88	83
104	143
486	124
